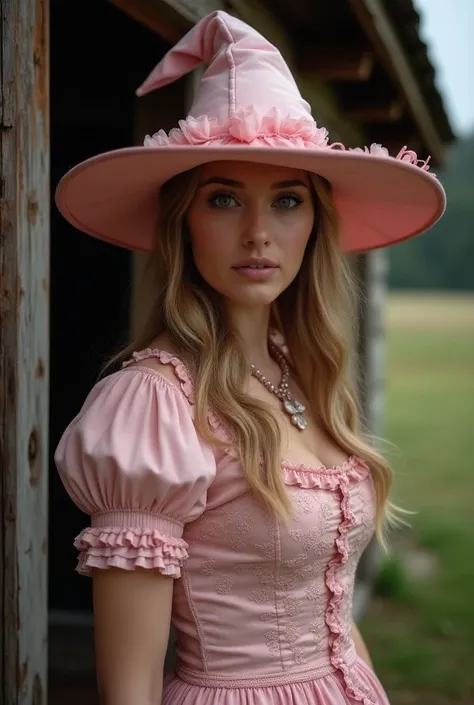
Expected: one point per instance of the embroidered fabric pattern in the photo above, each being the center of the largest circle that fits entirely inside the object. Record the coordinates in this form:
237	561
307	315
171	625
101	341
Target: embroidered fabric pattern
284	635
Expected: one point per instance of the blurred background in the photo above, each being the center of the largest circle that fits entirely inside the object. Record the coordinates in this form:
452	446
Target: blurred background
420	624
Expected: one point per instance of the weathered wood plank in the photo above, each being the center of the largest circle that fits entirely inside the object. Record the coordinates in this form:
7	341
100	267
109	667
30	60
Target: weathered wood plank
24	344
338	62
371	270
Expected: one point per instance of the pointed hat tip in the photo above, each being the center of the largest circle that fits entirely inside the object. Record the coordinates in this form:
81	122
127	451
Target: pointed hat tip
146	87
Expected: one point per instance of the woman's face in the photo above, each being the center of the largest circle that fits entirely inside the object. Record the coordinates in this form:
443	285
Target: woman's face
249	225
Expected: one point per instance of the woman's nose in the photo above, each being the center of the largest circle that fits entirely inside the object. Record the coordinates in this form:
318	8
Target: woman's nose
256	229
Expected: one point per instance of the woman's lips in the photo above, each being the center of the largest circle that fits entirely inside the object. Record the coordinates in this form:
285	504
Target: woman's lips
256	273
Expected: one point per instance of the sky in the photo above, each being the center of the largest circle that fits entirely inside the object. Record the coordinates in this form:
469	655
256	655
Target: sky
447	27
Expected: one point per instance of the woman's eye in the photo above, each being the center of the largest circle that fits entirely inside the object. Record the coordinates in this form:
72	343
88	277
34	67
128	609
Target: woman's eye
222	200
288	202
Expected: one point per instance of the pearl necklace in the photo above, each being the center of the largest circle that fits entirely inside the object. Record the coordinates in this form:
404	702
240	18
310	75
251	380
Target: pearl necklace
292	407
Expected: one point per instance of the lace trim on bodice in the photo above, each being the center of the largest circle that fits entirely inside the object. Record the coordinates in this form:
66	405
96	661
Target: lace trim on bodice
322	477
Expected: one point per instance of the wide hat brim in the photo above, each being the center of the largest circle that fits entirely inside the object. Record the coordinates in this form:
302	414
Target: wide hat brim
380	200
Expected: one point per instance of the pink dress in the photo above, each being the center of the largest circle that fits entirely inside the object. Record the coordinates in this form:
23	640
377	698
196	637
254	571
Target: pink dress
262	611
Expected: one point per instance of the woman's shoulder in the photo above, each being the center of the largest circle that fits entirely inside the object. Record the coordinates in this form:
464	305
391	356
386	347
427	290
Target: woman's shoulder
162	358
150	385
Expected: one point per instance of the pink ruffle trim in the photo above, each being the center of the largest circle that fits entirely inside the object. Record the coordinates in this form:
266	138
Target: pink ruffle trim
245	126
166	358
273	129
337	478
306	477
354	688
181	372
114	547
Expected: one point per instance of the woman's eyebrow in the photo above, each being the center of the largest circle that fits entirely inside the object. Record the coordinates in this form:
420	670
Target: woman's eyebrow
223	181
290	183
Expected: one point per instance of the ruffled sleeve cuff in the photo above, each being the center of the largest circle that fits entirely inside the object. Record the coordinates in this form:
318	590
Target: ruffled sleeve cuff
130	540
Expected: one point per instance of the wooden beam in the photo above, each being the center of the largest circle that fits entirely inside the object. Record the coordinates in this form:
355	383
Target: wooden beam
267	23
378	27
395	136
193	10
372	102
148	14
171	19
337	63
375	110
24	362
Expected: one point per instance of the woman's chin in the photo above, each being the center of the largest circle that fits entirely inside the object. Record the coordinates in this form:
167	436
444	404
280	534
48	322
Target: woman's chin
254	296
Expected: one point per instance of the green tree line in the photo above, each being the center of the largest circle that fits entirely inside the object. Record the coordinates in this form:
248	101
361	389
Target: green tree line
443	257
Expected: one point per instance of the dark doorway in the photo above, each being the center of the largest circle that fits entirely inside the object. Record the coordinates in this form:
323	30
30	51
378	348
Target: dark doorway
99	56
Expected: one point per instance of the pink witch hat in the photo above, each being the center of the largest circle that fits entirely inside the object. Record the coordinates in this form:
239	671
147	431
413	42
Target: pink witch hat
247	108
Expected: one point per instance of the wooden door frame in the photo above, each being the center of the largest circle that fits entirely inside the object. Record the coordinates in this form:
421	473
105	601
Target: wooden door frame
24	348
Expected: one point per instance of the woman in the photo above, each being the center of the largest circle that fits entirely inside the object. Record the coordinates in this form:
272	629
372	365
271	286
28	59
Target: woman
228	484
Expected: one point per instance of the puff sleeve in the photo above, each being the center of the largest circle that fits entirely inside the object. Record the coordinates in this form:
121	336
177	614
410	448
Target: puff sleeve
132	461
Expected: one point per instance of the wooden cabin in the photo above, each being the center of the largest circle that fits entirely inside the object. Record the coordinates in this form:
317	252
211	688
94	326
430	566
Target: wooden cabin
68	75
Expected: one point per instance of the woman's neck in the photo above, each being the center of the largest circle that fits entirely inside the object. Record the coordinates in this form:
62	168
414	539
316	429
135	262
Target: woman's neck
252	326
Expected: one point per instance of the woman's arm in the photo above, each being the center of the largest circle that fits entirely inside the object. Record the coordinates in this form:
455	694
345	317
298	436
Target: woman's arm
132	612
360	646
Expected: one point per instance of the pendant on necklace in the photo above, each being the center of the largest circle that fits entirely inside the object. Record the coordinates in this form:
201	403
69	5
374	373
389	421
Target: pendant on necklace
294	409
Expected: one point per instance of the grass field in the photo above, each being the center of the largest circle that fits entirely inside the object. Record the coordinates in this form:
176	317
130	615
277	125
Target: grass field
421	631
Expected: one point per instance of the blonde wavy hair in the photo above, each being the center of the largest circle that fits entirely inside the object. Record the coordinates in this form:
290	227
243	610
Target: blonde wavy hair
316	316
